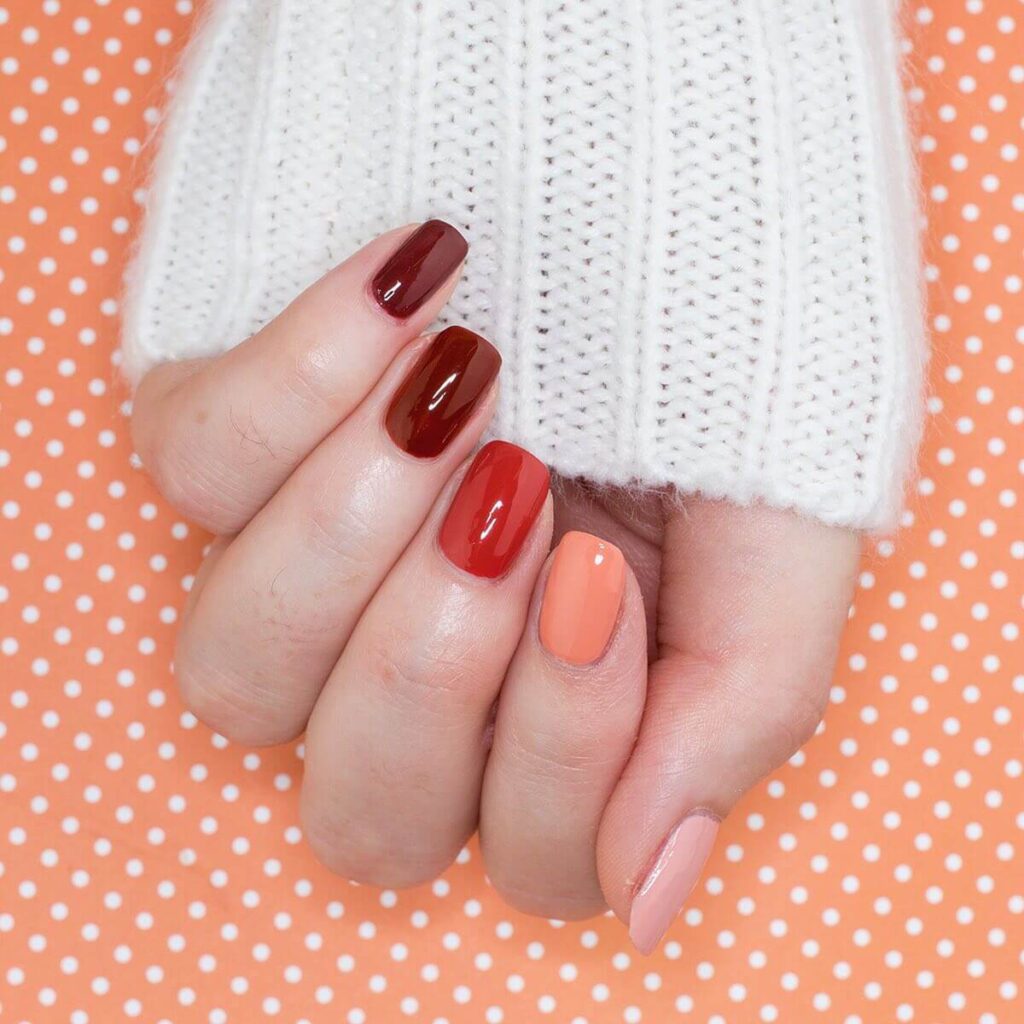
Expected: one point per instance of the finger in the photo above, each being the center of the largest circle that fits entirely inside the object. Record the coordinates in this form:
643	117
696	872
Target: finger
567	720
211	556
221	435
637	520
278	607
396	744
752	605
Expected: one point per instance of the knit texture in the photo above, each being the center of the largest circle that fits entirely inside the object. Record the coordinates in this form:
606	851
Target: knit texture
692	222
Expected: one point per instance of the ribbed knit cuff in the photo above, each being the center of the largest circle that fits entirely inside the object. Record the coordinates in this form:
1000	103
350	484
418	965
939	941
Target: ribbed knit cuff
692	225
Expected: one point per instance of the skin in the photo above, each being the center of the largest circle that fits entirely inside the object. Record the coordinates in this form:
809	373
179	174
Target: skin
429	704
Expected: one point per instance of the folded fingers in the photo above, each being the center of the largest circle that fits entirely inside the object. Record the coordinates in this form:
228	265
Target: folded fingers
221	435
396	745
276	610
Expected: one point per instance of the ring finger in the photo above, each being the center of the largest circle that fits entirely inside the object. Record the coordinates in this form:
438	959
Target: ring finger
396	745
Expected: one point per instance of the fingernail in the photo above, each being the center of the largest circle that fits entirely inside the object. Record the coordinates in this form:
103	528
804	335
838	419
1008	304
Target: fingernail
582	598
441	391
426	259
494	509
669	883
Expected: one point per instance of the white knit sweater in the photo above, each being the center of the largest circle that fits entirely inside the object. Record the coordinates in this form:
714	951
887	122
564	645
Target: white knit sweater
692	222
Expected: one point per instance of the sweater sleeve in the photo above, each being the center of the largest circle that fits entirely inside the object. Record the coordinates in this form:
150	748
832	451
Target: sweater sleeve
693	227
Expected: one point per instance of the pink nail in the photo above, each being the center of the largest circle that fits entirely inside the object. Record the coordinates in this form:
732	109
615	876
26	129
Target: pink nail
668	884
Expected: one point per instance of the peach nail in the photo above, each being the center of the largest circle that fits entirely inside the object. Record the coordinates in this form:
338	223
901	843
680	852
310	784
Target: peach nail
582	598
669	883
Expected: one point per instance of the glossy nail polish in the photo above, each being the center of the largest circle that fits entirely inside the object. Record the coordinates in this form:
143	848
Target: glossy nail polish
424	261
494	509
582	596
670	881
441	391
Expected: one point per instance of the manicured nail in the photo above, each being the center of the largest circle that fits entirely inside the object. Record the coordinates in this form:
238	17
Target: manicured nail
665	889
441	391
494	509
582	598
426	259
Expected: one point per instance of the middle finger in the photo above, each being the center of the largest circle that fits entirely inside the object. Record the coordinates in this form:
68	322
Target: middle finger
279	605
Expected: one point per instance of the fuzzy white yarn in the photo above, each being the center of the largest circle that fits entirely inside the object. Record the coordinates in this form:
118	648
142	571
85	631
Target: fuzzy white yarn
692	222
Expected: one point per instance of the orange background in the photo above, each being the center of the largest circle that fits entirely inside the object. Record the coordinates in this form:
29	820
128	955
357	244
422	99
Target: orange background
151	871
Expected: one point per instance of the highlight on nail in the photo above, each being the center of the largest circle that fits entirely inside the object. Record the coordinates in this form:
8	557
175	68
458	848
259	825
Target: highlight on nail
418	268
582	597
494	509
671	879
441	392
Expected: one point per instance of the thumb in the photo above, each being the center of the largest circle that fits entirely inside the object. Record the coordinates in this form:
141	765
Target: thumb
751	607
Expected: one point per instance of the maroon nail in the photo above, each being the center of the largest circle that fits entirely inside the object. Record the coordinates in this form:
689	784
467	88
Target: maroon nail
441	391
425	260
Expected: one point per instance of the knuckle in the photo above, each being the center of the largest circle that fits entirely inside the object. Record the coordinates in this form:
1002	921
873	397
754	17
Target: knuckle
188	479
337	526
791	722
149	405
784	708
434	674
805	708
156	430
189	469
341	510
388	669
357	851
169	467
539	901
236	708
570	759
313	375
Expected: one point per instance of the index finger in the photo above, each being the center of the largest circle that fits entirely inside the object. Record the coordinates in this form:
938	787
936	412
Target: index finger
221	437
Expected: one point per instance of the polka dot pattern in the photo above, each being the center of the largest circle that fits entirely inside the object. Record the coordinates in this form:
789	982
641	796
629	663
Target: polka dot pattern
151	871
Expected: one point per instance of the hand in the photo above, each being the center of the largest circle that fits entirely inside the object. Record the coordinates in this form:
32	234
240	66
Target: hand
331	601
365	585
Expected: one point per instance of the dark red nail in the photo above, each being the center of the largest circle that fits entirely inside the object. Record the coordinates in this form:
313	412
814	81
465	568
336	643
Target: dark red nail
441	392
494	509
426	259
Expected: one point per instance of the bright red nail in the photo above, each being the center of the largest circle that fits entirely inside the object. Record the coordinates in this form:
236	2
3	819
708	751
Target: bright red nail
494	509
424	261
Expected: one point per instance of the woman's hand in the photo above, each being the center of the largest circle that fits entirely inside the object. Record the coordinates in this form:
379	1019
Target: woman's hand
370	588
